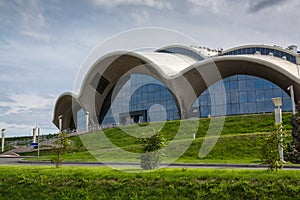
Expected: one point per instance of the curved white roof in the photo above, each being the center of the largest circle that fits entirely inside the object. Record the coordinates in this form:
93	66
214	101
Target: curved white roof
169	67
285	65
170	64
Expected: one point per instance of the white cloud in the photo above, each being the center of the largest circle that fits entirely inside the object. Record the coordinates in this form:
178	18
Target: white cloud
256	6
233	7
25	111
36	35
9	126
64	53
26	102
214	6
19	129
33	23
140	17
149	3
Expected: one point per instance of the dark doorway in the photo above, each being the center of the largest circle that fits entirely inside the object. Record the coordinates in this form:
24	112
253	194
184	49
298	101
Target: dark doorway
139	116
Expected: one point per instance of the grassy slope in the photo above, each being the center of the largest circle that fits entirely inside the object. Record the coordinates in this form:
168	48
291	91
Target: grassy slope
103	183
240	140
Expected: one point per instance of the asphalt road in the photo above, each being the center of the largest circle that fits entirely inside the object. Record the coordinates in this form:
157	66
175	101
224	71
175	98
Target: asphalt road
18	161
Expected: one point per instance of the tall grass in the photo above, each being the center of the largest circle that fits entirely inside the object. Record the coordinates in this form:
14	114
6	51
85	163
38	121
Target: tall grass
104	183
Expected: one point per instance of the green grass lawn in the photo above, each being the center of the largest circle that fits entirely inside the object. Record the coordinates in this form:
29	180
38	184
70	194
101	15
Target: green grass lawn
240	140
104	183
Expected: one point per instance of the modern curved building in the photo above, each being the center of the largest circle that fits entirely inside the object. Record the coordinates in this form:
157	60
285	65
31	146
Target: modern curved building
179	82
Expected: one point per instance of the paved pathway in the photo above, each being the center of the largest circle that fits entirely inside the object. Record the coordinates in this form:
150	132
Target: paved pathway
12	160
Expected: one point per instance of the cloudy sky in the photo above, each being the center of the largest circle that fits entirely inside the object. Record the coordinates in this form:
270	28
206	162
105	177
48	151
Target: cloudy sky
43	43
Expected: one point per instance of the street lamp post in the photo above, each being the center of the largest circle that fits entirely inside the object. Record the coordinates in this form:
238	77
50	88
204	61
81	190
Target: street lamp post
291	89
38	142
3	139
278	120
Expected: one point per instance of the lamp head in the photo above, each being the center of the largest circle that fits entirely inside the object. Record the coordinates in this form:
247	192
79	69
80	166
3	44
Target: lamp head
277	101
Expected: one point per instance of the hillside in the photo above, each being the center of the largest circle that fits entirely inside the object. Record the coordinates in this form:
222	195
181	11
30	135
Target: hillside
240	140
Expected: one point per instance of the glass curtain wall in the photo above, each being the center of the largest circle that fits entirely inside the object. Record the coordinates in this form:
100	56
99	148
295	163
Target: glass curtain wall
145	99
81	120
244	95
263	51
142	99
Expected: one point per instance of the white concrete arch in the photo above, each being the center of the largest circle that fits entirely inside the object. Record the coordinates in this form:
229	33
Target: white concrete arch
184	76
280	72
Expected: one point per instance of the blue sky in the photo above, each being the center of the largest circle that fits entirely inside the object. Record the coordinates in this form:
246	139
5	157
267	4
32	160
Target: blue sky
43	43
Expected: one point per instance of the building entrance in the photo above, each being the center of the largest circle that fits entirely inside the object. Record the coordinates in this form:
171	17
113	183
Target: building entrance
139	116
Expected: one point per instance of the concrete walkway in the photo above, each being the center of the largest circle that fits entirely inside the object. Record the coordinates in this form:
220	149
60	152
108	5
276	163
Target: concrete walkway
13	160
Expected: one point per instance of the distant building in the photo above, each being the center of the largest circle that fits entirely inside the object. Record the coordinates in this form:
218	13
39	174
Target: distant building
178	82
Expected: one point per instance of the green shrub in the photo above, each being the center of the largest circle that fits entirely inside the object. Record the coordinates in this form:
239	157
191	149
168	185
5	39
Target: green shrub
62	144
270	151
151	154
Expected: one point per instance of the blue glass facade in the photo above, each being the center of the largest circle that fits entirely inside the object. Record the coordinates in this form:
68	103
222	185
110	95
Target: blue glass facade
144	98
244	95
81	120
263	51
183	51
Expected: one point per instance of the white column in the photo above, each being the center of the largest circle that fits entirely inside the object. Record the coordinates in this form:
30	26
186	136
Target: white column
278	115
278	120
34	135
87	121
3	139
60	122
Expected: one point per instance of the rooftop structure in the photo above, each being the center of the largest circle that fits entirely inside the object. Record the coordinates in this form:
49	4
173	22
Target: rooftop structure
178	82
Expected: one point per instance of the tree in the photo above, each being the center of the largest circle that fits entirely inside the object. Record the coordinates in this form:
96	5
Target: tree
269	150
151	156
62	144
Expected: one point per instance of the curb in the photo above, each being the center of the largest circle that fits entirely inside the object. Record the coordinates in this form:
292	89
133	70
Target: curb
171	165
